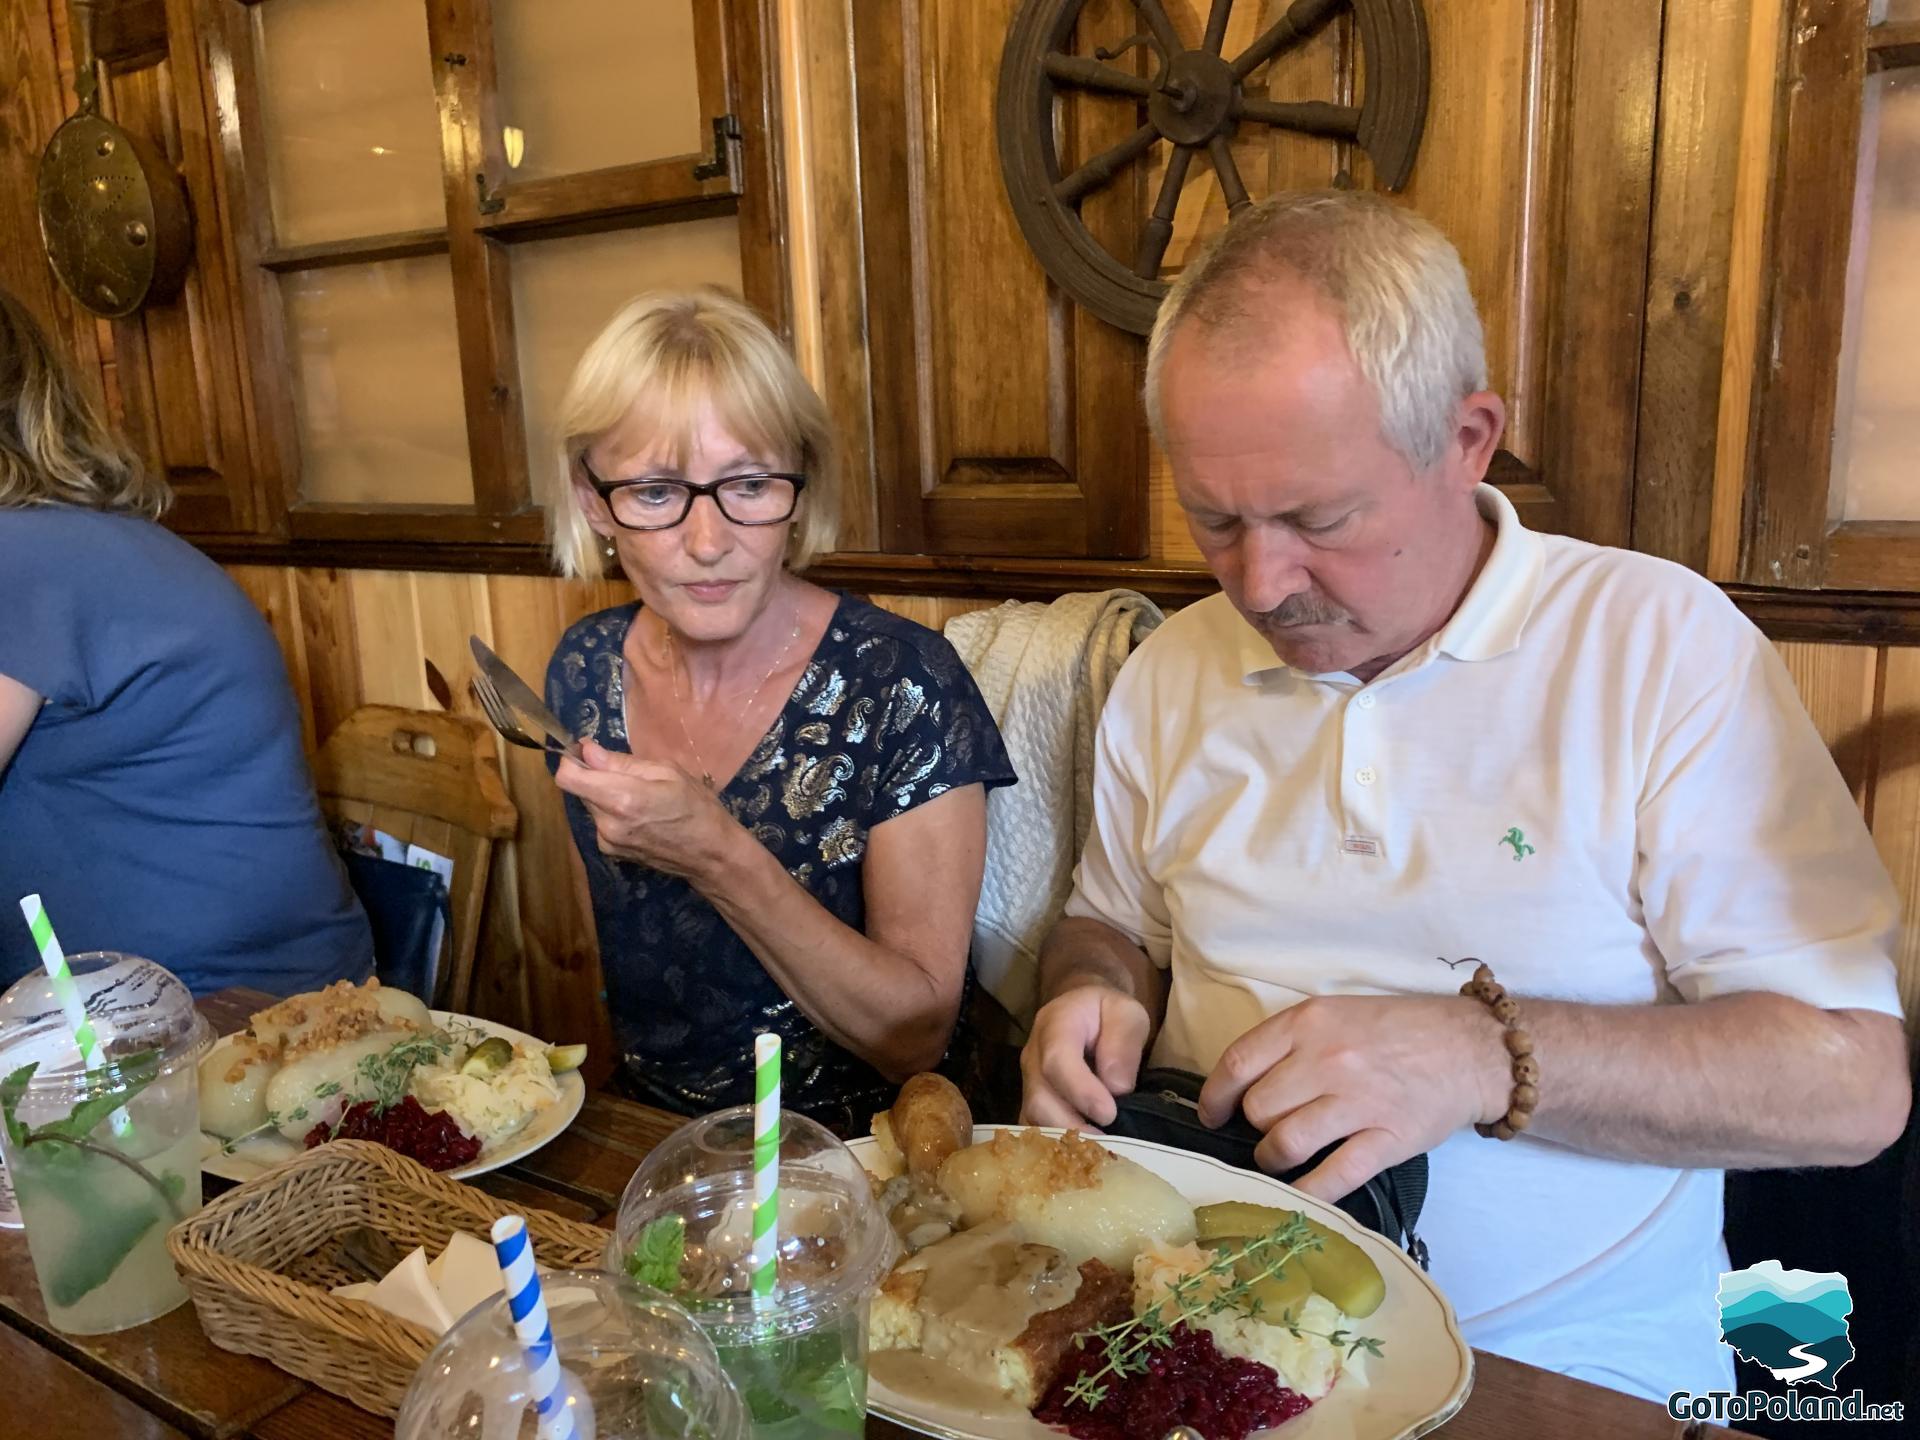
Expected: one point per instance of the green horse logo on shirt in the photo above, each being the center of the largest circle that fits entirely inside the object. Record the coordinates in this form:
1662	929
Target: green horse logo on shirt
1518	841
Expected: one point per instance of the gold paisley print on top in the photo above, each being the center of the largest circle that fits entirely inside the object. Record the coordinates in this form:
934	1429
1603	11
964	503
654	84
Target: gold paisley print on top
883	718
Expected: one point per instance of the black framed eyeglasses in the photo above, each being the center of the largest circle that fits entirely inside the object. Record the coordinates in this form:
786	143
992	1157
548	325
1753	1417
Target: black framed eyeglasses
658	502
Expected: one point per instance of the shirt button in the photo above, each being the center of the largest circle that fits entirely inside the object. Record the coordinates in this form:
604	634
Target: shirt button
1365	700
1364	775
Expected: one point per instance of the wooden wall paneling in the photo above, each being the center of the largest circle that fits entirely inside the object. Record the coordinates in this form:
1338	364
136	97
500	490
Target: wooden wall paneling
1596	286
887	139
1537	162
1485	174
829	275
932	611
386	636
1748	250
1001	426
449	609
551	949
271	589
323	600
1839	684
31	104
1896	811
1270	161
1696	159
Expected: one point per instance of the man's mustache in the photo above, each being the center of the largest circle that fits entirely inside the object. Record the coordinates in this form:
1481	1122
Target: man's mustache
1305	608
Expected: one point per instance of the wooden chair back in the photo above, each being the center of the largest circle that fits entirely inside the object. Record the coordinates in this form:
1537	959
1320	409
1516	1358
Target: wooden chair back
431	780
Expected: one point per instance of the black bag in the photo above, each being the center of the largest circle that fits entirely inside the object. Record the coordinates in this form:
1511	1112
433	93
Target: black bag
402	903
1164	1108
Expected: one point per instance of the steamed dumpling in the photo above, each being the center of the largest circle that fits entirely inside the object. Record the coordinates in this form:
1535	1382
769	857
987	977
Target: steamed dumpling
293	1094
401	1006
1069	1193
323	1019
233	1085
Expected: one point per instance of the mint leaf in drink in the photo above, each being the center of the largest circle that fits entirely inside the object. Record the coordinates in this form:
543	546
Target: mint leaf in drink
13	1090
129	1077
117	1222
656	1255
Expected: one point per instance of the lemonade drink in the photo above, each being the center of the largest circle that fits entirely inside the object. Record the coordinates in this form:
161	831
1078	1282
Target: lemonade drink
104	1160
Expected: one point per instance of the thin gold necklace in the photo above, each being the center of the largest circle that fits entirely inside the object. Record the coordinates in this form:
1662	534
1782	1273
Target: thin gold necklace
706	775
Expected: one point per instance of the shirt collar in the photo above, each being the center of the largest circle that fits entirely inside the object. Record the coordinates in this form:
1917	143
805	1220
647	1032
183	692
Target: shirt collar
1488	622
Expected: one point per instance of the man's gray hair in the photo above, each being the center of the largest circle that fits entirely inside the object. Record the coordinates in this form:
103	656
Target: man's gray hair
1395	281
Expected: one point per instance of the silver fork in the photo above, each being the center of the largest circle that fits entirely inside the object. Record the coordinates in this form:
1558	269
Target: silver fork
502	719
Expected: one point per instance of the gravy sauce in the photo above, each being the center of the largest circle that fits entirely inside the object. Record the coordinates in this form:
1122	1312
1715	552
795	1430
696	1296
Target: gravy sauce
982	1287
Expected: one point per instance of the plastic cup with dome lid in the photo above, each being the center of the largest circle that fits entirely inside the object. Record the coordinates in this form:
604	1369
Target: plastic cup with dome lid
632	1366
799	1355
101	1133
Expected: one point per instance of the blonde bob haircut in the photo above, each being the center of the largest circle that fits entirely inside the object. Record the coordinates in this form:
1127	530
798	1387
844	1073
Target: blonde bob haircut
1395	281
666	356
55	447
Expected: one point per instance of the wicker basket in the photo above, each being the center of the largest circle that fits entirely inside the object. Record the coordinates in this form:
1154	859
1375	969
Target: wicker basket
258	1263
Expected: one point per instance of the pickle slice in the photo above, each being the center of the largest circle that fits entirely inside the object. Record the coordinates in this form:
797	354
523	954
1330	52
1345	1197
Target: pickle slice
1278	1295
1339	1270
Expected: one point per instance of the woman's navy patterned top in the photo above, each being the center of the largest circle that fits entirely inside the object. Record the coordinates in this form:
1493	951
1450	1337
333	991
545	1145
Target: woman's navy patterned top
884	718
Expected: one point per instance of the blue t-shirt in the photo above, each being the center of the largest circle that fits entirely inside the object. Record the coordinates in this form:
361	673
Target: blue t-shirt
160	802
884	718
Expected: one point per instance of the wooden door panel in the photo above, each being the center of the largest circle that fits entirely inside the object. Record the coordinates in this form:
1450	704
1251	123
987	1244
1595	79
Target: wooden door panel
177	360
1006	421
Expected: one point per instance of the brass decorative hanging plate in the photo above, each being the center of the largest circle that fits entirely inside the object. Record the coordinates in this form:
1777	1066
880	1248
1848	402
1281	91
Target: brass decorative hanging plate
113	214
1195	100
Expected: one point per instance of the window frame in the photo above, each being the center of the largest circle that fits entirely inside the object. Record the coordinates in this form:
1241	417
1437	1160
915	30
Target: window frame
503	528
1827	52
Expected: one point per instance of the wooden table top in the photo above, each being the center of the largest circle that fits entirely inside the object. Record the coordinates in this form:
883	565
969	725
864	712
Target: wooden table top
166	1379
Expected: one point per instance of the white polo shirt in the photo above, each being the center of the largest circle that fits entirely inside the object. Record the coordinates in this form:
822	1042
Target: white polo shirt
1598	779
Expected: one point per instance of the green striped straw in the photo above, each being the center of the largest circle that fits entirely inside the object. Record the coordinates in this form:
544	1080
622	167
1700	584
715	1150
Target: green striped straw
68	994
766	1166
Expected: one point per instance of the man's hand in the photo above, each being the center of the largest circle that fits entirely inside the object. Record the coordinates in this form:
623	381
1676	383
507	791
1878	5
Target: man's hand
649	811
1085	1049
1391	1076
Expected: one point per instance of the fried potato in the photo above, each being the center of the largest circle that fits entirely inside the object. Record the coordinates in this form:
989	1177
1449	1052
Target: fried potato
929	1121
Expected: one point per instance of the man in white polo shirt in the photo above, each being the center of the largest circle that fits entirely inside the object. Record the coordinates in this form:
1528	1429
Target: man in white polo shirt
1411	729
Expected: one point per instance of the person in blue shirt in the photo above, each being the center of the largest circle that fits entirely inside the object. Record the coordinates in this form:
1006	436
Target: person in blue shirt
152	786
782	810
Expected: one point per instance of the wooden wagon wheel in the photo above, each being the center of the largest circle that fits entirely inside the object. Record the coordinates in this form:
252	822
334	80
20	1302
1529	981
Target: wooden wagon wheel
1195	101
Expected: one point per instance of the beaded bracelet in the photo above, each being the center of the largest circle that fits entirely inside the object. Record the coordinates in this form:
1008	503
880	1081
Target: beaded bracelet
1526	1070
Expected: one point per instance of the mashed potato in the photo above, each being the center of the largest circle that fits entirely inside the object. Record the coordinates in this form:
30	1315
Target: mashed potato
492	1107
1308	1363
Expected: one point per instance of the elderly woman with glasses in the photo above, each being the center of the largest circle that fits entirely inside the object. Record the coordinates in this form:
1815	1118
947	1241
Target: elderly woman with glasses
782	806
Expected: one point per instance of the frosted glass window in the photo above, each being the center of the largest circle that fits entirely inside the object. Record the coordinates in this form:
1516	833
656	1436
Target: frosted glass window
377	384
352	130
1877	419
585	84
565	292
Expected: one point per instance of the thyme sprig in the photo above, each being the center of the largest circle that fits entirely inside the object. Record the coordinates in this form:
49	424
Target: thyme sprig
382	1077
1130	1343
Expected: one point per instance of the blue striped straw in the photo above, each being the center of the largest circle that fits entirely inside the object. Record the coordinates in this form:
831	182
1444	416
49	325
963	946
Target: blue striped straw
529	1311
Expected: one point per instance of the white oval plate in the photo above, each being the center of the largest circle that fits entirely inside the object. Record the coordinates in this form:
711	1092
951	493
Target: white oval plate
1417	1386
257	1156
